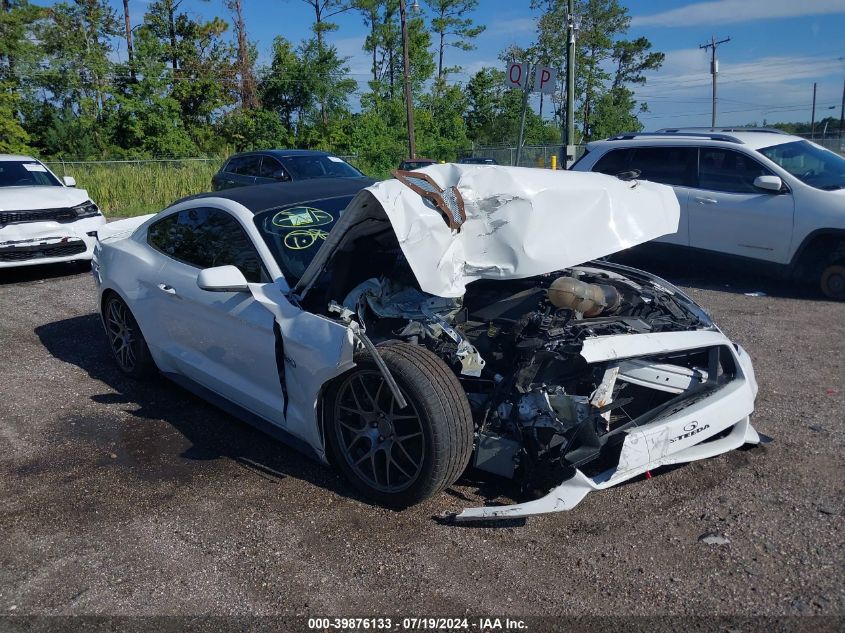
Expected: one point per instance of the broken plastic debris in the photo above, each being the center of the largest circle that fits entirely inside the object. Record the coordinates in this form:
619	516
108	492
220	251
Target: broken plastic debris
756	293
714	538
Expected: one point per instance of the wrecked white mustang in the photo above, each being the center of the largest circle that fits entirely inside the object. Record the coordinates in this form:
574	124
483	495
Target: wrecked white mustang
435	321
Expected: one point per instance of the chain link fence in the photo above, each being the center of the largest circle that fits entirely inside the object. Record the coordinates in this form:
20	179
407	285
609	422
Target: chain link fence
834	141
532	155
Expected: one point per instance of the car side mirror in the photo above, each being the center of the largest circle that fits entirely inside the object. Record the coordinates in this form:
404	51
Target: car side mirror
769	183
222	279
70	181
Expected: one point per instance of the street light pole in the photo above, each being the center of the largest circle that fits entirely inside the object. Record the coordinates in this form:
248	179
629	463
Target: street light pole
406	69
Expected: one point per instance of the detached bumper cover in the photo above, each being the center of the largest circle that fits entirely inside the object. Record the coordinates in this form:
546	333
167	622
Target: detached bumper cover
32	243
707	427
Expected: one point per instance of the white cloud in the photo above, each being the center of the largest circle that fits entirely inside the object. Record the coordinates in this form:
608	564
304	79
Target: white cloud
518	26
735	11
359	61
772	88
690	68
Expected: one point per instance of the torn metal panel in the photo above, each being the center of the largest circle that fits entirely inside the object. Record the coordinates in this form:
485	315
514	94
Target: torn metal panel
520	222
316	349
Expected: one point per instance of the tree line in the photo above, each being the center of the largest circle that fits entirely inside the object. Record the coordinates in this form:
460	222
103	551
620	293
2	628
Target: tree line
191	86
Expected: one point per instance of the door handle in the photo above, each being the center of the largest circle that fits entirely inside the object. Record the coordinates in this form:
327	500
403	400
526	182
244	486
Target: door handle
705	200
168	289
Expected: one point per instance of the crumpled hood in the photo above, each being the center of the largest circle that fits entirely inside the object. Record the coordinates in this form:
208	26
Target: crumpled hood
520	222
33	198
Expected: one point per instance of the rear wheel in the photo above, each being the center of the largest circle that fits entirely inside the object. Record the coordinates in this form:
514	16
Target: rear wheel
399	457
833	280
127	344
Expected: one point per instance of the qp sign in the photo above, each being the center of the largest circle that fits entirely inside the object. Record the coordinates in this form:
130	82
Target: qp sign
516	75
545	80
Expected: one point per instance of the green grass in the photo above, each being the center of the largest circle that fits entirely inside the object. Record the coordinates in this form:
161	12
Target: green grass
128	189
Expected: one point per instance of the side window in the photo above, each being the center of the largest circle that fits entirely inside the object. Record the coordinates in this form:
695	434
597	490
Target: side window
271	168
233	165
162	233
666	165
248	166
614	162
206	238
729	171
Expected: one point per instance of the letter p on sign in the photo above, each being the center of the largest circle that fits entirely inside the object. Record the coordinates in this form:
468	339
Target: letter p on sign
545	80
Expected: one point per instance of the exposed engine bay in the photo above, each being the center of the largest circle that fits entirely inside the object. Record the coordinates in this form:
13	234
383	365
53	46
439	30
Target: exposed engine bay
540	409
577	376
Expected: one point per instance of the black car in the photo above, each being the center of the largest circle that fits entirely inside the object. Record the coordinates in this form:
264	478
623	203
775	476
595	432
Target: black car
280	165
416	163
477	160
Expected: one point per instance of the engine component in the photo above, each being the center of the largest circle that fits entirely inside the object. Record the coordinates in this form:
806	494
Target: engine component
496	454
588	299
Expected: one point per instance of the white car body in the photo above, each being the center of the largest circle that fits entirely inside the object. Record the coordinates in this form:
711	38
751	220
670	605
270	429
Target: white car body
40	224
519	223
796	229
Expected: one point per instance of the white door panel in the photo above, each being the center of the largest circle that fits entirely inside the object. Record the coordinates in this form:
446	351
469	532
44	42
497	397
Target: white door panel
145	300
316	349
757	225
222	340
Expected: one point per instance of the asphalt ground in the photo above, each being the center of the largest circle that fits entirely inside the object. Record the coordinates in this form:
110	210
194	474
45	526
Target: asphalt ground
126	498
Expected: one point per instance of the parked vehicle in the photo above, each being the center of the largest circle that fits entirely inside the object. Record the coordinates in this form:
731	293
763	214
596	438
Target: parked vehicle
442	319
43	219
477	160
416	163
760	196
280	165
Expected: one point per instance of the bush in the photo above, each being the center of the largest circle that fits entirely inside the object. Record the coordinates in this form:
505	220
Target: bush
135	188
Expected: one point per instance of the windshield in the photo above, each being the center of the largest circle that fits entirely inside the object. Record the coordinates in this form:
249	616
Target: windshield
811	164
295	233
26	173
306	167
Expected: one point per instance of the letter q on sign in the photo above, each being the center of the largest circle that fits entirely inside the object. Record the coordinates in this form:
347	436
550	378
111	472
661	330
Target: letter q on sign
516	72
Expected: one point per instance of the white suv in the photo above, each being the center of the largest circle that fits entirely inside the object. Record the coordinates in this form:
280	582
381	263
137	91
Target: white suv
755	194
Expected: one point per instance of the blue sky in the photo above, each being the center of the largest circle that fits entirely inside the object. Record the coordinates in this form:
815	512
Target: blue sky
778	48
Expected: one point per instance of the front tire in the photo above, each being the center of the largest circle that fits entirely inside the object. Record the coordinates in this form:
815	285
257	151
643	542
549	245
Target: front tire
832	281
126	341
399	457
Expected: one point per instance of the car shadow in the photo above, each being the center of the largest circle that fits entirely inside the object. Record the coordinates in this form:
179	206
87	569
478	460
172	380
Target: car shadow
213	434
717	274
41	272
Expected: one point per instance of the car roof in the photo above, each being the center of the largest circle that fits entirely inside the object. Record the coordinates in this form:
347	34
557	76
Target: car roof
752	138
283	153
259	198
10	157
419	160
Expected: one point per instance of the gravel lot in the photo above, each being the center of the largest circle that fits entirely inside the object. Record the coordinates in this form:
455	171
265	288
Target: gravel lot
140	499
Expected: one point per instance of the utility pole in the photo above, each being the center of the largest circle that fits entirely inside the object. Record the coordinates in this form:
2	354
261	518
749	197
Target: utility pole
570	84
714	70
406	70
129	51
526	89
842	113
813	115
